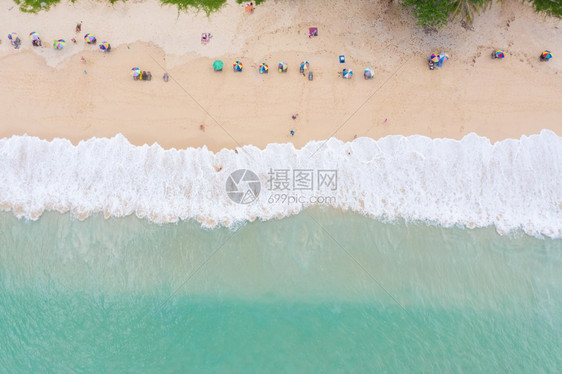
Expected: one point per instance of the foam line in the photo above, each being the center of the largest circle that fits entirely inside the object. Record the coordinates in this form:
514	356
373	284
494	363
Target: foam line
511	184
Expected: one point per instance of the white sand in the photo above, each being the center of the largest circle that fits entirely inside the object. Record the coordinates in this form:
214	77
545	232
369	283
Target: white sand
47	93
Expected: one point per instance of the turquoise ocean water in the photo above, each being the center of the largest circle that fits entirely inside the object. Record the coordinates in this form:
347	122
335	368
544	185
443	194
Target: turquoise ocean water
323	291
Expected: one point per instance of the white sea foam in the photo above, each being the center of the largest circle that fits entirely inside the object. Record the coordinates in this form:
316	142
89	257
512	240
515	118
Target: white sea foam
512	184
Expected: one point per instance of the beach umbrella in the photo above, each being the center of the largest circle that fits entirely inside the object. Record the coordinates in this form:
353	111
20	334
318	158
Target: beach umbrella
237	66
433	58
443	56
282	67
135	72
347	73
218	65
263	68
305	65
104	46
369	73
58	44
89	38
499	53
34	36
546	55
13	35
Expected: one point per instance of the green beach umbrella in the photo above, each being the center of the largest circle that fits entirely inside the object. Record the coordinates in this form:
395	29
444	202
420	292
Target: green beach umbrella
218	65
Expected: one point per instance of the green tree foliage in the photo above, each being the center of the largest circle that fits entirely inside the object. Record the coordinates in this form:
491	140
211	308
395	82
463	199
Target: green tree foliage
551	7
430	13
465	9
436	13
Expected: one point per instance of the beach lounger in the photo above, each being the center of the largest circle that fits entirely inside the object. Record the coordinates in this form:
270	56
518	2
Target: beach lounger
165	77
310	76
148	76
143	75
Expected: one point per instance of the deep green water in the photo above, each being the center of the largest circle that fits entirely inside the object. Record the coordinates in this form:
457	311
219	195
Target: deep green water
323	291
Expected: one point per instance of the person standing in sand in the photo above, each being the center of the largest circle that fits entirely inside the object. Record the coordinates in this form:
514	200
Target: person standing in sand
79	27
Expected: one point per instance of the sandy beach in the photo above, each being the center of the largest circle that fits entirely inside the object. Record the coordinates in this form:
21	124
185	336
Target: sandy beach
49	93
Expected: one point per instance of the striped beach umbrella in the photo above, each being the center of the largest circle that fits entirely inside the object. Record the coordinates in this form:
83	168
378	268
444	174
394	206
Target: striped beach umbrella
34	36
135	72
305	65
104	46
547	55
59	44
89	38
13	35
218	65
282	67
433	58
347	73
499	53
264	68
237	66
369	73
443	56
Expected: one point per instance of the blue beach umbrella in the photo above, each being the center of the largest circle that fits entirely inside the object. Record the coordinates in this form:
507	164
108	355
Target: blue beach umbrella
218	65
369	73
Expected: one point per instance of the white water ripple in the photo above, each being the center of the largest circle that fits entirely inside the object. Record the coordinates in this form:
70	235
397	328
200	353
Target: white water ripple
511	184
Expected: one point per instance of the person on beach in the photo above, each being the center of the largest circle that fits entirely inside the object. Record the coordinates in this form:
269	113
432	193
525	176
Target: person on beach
16	42
79	27
292	132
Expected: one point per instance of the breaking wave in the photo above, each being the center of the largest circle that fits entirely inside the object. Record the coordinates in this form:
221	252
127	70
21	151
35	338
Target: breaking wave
511	184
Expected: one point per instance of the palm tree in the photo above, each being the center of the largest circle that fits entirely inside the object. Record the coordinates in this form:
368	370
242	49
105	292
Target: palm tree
465	9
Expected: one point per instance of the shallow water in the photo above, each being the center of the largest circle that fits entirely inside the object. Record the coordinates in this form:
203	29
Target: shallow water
320	291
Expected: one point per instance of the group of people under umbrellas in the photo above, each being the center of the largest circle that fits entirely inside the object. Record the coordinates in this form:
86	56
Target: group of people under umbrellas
89	38
437	60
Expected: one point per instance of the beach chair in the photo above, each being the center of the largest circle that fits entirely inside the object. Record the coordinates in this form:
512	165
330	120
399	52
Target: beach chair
165	77
143	75
148	76
310	76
